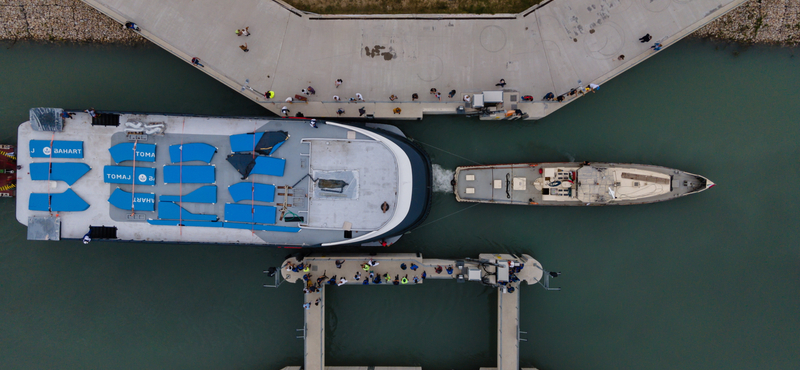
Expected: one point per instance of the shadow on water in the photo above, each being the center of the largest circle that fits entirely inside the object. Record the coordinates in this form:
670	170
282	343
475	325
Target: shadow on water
707	281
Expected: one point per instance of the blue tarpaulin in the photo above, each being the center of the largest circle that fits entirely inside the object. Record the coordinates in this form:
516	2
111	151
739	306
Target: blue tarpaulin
252	191
203	194
185	223
269	166
250	213
123	175
140	201
60	149
124	152
172	211
265	143
245	142
68	172
191	152
67	201
285	229
190	174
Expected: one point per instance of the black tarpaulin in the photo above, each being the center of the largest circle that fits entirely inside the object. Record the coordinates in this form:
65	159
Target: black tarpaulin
243	162
270	142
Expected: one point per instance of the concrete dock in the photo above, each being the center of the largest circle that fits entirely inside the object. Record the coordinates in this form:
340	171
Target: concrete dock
557	46
320	272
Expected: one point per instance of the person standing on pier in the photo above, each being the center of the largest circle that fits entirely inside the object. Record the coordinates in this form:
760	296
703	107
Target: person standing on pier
357	276
196	61
338	82
339	263
244	47
416	279
502	83
449	270
342	281
414	267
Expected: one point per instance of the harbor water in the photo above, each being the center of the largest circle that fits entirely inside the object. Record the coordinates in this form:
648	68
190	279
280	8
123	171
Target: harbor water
709	281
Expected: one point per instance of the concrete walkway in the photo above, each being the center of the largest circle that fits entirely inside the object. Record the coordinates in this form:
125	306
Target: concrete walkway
489	269
553	47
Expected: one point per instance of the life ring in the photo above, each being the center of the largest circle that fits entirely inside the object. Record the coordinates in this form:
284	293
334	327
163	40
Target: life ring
553	184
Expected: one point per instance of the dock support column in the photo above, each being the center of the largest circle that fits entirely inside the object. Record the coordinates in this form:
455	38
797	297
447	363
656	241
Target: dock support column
315	331
508	330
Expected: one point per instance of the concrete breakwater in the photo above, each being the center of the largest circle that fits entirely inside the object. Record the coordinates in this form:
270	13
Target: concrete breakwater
757	21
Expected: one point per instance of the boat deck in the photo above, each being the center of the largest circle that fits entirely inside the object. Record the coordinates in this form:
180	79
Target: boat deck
112	197
573	184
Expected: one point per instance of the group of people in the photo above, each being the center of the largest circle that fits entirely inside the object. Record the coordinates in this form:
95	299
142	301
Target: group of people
243	32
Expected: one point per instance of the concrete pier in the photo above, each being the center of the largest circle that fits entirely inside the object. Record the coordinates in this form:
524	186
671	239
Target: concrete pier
496	270
556	46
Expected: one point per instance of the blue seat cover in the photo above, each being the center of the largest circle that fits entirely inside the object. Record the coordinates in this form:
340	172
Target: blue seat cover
191	152
67	201
269	166
185	223
60	149
285	229
252	191
123	175
141	201
172	211
245	142
250	213
191	174
124	152
203	194
68	172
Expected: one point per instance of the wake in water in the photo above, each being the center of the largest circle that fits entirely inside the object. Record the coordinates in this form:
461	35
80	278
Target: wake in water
441	179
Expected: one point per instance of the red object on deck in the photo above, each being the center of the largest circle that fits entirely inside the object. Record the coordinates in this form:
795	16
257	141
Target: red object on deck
8	170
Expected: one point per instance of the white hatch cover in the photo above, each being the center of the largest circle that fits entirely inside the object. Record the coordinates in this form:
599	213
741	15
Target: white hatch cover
520	183
498	184
477	101
493	96
470	190
470	177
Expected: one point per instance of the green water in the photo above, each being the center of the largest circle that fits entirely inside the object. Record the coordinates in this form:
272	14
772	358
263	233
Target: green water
710	281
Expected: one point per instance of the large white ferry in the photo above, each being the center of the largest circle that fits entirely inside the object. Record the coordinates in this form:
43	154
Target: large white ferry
173	178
